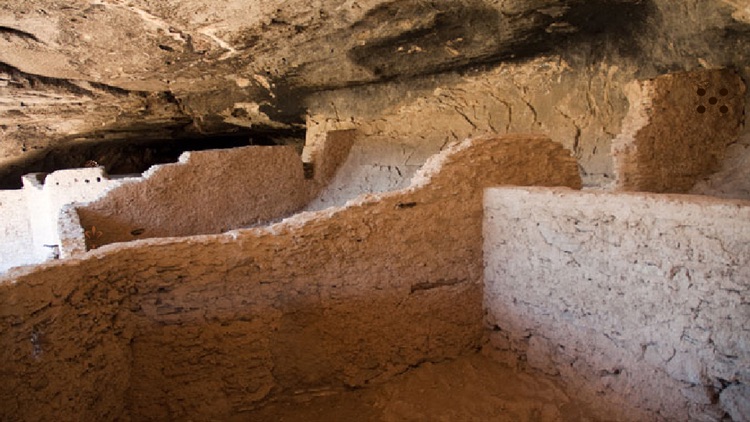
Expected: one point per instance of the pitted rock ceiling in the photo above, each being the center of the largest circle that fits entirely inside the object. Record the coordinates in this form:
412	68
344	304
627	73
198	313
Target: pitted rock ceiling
82	72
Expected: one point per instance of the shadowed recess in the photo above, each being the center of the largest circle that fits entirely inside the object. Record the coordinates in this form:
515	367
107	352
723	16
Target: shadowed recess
404	39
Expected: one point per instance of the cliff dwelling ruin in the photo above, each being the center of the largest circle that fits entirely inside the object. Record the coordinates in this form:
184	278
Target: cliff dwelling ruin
409	210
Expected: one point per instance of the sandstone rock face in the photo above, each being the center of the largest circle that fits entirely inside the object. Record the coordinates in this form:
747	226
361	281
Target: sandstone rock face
206	327
639	302
109	70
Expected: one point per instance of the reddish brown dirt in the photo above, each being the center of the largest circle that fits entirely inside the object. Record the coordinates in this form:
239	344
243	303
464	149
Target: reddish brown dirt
471	388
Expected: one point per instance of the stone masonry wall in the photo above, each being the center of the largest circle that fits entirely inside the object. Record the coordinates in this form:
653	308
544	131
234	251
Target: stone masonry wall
215	324
639	302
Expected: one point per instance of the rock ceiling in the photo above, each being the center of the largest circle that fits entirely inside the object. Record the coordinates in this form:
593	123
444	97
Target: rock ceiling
78	73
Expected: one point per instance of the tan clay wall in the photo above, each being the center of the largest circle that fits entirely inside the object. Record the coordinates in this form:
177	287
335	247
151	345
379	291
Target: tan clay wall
733	180
640	303
340	297
207	192
214	191
64	337
677	130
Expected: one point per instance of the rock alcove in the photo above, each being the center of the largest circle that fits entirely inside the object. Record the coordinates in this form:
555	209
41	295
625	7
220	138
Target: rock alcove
373	210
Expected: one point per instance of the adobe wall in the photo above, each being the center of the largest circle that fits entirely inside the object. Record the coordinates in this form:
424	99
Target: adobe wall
64	353
62	188
29	217
214	191
677	130
374	164
217	323
206	192
639	302
15	230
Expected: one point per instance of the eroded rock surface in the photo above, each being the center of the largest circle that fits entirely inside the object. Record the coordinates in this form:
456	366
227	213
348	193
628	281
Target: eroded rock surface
112	69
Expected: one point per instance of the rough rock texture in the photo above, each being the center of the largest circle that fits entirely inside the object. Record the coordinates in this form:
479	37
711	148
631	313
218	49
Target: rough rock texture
65	351
207	327
639	302
173	68
741	10
678	130
39	113
420	118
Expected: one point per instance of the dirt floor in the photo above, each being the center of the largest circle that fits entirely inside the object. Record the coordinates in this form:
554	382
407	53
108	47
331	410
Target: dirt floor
472	388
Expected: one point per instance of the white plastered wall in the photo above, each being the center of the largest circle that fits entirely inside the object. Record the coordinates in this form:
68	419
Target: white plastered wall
61	188
375	164
15	231
29	217
639	301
